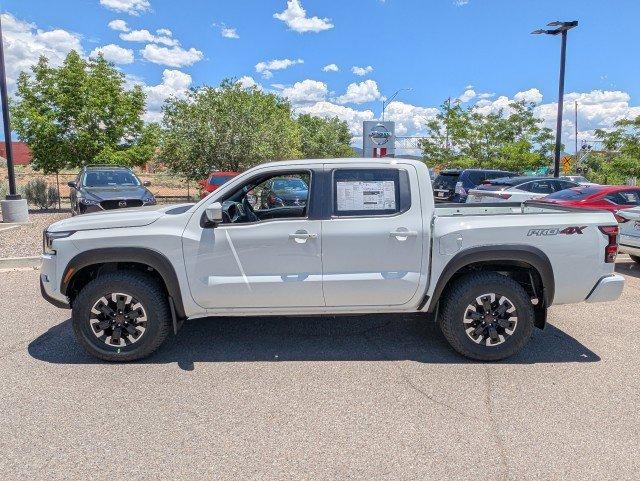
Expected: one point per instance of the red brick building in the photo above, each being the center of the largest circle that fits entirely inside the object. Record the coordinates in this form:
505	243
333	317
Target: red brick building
21	153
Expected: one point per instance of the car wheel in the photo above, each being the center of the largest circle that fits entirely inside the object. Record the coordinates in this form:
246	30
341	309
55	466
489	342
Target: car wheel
486	316
635	259
121	316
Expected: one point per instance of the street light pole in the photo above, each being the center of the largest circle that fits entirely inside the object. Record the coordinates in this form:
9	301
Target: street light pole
563	28
386	102
13	195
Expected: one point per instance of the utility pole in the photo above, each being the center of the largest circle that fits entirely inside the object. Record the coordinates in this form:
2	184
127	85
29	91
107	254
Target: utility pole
575	126
386	102
562	28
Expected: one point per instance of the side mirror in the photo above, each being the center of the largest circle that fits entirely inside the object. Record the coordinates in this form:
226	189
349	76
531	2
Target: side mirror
146	183
213	214
71	184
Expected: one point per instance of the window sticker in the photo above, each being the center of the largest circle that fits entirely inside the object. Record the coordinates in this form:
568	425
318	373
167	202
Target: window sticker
375	195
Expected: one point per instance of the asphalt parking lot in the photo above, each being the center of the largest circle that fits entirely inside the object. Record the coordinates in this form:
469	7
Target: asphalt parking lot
370	397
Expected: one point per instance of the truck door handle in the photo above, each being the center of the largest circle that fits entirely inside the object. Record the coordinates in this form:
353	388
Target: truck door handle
302	236
403	234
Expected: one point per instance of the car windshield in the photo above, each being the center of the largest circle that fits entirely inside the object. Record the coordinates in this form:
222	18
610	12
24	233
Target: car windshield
289	184
219	179
575	193
107	178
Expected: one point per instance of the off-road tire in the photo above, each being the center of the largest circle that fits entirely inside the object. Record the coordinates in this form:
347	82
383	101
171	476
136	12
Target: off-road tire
149	294
463	292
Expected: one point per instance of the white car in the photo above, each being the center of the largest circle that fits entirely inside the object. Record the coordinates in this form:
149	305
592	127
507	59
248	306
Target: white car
366	239
578	179
630	233
517	189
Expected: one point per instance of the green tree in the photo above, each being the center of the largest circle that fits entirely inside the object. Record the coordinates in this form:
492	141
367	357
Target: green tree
623	159
227	128
80	113
465	138
324	138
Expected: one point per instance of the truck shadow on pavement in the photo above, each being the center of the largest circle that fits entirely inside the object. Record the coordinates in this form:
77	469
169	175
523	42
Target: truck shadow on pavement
628	268
330	338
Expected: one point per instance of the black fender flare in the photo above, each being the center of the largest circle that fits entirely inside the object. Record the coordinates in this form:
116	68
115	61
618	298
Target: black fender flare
519	253
141	255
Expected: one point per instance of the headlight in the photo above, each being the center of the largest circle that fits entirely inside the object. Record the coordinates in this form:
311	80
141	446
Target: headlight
85	201
49	237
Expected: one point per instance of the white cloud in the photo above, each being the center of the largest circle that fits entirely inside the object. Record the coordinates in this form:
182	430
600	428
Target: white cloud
359	93
24	43
174	84
146	36
531	95
119	25
165	32
296	19
306	92
362	71
410	119
332	67
267	68
248	82
114	53
460	3
132	7
172	57
228	32
352	117
468	94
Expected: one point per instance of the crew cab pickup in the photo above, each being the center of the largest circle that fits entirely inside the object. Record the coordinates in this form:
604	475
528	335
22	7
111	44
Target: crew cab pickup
359	236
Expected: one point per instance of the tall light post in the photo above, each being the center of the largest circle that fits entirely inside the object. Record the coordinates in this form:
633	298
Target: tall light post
561	28
14	209
386	102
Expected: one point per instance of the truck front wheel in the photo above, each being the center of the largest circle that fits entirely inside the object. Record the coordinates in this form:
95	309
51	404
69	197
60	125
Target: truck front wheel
486	316
121	316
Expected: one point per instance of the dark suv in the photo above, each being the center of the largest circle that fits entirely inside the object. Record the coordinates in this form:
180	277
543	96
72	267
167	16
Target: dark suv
452	185
99	188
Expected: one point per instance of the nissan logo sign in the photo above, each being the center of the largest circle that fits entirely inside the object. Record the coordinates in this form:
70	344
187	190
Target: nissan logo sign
122	203
380	135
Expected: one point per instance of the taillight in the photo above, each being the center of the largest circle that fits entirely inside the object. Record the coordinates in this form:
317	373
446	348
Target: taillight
611	250
460	190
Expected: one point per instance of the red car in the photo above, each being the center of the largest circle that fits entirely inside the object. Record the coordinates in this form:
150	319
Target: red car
606	197
215	180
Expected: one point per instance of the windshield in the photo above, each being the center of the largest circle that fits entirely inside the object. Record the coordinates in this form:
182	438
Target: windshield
575	193
106	178
220	179
289	184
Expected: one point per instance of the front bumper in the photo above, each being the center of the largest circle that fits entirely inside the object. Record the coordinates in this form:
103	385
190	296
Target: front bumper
49	285
608	288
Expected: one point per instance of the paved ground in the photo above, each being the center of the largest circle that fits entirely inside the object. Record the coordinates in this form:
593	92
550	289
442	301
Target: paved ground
358	398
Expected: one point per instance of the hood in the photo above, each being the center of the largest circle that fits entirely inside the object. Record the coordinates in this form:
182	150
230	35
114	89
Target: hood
116	192
110	219
291	194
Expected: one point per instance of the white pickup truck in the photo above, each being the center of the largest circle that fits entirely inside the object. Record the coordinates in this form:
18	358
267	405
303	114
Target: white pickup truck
337	236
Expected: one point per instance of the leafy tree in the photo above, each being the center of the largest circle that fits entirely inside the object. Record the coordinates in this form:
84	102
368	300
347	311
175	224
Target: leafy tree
623	159
324	138
227	128
78	114
469	138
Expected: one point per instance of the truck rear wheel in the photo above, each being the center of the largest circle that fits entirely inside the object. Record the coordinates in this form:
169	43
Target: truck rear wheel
121	316
486	316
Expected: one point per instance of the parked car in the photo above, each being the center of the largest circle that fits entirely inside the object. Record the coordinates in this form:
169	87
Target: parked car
517	189
606	197
630	232
282	191
368	240
215	181
452	185
99	187
578	179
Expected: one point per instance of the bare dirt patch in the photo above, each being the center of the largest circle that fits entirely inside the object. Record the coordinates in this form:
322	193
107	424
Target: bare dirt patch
26	240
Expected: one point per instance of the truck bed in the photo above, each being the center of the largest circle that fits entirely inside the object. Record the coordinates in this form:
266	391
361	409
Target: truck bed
502	208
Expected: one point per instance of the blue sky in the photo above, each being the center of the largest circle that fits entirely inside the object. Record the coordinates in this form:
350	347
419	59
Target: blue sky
479	51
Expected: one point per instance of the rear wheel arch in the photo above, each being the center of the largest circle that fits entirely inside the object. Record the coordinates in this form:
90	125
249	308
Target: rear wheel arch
92	263
516	261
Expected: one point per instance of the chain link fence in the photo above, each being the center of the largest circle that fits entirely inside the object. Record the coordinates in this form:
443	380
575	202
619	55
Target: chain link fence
166	187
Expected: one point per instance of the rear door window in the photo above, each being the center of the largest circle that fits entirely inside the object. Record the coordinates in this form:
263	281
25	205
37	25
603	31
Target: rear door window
370	192
625	197
538	187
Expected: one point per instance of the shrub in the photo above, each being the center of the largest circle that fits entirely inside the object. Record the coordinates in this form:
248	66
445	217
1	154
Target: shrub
40	194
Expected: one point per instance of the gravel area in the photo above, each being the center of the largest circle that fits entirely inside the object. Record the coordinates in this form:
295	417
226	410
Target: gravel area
26	240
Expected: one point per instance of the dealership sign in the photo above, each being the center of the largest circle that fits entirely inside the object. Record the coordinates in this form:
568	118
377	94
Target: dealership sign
380	135
378	138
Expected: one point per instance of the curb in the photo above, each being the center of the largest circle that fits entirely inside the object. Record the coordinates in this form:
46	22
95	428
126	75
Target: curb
4	228
14	262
